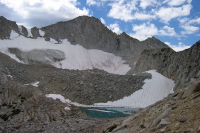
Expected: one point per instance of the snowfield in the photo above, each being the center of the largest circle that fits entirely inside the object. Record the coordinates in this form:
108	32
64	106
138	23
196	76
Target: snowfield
76	56
153	90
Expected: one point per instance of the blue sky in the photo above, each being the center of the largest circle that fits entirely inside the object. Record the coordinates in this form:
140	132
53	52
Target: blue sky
175	22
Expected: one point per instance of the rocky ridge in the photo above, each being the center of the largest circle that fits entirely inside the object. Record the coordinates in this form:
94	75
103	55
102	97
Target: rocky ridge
89	32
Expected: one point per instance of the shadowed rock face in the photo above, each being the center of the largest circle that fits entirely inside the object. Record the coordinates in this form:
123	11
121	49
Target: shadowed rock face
35	32
180	66
6	26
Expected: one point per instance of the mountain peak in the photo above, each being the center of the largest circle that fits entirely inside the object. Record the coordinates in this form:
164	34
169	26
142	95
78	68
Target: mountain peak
154	42
89	32
2	18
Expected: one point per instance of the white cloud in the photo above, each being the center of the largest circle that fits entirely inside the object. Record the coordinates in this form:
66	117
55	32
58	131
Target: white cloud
142	16
128	11
102	21
146	30
167	31
46	9
168	13
179	47
91	2
115	28
122	10
146	3
96	2
188	29
175	2
194	21
189	26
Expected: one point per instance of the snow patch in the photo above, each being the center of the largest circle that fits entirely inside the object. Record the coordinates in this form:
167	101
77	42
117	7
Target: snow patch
53	41
61	98
153	90
29	33
67	108
35	83
10	76
41	32
13	56
67	101
13	34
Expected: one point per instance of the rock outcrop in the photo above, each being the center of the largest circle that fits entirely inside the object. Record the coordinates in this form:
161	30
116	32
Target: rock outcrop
45	56
35	32
6	26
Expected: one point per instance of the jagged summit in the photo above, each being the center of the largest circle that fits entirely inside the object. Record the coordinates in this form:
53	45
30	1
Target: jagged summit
86	31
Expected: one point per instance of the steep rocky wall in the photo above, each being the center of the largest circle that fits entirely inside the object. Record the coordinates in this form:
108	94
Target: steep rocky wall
6	26
86	31
180	66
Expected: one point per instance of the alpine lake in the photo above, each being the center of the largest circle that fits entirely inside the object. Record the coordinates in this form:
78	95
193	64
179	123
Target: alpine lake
108	112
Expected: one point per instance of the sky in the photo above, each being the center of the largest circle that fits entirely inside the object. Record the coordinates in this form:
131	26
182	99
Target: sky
174	22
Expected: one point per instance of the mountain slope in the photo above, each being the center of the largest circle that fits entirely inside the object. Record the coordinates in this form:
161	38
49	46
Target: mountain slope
41	57
180	66
86	31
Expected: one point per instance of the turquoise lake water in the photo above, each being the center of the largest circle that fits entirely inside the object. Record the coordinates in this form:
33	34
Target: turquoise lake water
108	112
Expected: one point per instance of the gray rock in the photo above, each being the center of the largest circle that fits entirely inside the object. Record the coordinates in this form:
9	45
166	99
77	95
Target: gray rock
157	120
35	32
162	123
